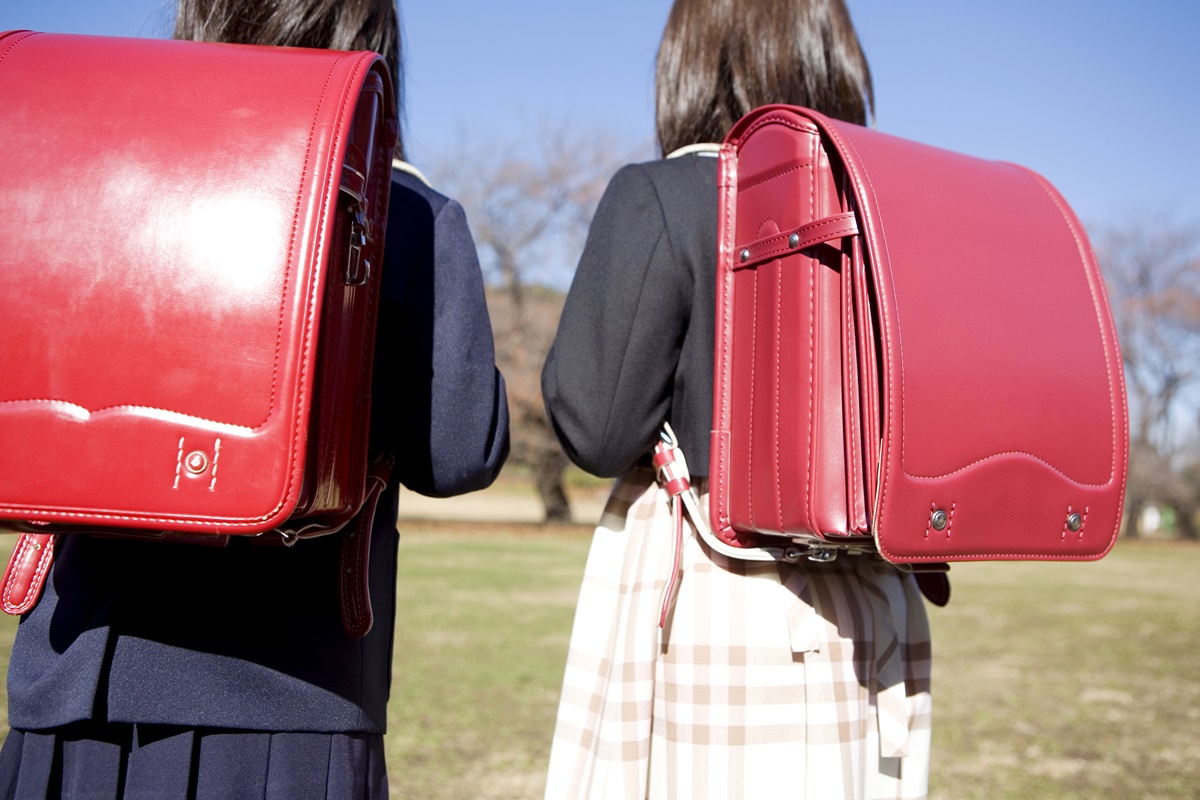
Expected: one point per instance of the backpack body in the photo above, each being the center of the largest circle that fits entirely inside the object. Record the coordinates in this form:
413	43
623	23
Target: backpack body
914	353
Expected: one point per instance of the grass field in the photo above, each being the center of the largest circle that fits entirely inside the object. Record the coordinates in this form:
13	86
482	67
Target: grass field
1050	680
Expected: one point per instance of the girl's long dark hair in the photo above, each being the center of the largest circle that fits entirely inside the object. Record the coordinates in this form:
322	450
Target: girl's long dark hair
328	24
719	59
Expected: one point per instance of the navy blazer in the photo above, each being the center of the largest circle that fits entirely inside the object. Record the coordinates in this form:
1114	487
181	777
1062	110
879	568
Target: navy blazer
634	345
249	636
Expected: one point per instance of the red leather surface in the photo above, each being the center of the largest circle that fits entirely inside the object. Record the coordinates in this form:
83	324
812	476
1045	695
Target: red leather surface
167	206
1001	395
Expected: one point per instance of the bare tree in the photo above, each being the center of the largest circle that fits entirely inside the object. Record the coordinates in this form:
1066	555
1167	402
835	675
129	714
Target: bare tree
529	208
1153	272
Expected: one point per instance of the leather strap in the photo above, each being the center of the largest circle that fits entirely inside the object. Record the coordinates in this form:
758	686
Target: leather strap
25	575
676	481
835	226
354	573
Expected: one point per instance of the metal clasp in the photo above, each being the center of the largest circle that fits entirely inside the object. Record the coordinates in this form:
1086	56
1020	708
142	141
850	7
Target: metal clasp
358	234
822	555
358	269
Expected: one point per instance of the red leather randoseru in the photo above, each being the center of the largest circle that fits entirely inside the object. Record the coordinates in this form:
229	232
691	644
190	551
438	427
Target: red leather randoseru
185	346
943	376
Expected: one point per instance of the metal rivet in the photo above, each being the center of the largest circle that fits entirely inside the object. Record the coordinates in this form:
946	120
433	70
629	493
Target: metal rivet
939	520
196	462
744	256
1074	523
794	240
793	554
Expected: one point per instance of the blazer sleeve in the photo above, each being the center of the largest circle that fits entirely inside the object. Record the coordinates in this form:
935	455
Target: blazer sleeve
445	408
608	380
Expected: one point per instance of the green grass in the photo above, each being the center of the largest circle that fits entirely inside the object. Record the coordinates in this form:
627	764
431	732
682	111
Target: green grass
481	641
1050	680
1070	680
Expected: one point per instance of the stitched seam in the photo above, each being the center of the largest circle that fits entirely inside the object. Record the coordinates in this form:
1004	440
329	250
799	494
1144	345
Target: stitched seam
216	458
1082	524
724	442
15	567
782	249
15	42
292	239
999	556
809	498
779	279
178	463
850	365
43	560
994	456
770	177
750	414
131	407
774	118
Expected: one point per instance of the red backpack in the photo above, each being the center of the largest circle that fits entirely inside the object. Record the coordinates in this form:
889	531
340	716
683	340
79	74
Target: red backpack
915	356
192	244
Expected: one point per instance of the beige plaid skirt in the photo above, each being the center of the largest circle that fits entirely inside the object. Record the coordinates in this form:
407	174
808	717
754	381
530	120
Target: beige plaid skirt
767	681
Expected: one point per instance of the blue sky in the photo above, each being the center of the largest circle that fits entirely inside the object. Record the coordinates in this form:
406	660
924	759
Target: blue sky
1099	96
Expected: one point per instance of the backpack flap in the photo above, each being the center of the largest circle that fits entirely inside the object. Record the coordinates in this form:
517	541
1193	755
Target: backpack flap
169	212
1004	429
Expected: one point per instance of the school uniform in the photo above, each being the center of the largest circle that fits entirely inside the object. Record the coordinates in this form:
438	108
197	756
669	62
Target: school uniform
768	680
162	670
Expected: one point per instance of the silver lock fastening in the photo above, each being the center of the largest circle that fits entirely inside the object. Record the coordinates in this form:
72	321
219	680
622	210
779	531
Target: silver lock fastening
822	555
358	269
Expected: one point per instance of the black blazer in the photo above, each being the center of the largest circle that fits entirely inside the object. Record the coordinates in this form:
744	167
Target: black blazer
635	342
249	636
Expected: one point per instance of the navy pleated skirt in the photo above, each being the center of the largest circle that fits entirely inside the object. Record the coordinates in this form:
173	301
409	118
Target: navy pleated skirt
155	762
